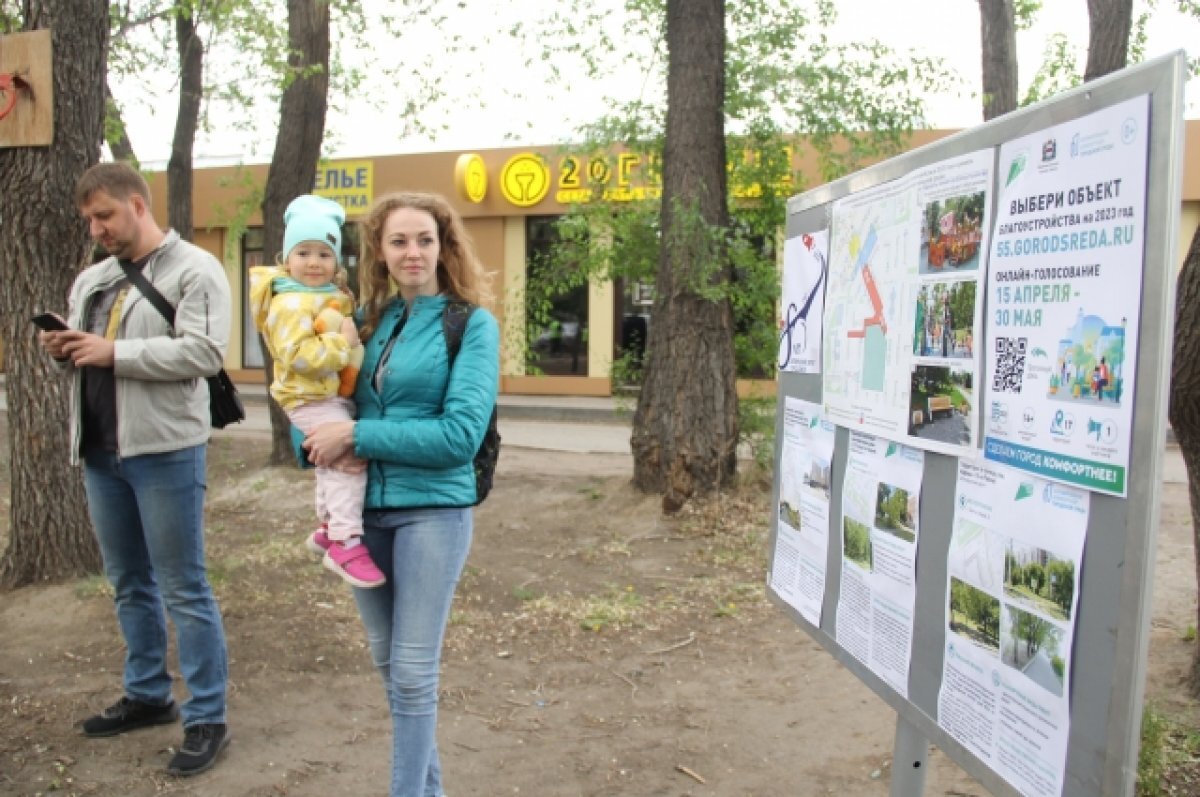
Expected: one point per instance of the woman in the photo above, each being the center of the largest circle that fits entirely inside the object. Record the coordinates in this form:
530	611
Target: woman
419	426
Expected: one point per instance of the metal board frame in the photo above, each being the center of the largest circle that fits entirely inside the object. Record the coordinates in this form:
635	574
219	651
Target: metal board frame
1113	624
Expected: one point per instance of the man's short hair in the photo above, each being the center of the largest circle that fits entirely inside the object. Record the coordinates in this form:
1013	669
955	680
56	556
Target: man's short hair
119	180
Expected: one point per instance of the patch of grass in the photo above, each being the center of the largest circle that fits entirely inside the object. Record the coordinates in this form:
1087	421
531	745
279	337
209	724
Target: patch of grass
618	607
613	546
1169	756
1151	760
524	593
93	587
591	492
1189	634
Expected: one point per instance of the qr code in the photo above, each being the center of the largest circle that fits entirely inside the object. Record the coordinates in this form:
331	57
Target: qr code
1010	365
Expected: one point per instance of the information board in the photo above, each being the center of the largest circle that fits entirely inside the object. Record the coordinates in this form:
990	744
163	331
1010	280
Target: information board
990	502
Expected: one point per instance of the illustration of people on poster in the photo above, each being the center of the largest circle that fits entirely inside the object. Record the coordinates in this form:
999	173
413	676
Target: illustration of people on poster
804	261
881	499
1012	600
903	309
1064	288
802	531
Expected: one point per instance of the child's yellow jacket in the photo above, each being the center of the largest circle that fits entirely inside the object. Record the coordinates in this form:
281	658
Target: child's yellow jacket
312	359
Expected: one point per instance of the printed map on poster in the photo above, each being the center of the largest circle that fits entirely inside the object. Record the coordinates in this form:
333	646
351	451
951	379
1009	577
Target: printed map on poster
903	308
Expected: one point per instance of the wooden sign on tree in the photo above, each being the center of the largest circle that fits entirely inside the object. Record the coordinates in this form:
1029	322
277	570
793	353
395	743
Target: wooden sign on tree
26	90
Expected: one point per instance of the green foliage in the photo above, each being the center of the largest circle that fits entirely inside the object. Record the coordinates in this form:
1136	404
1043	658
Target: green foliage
1024	12
248	63
980	609
1169	756
1059	70
784	78
235	219
756	425
10	16
1151	758
856	542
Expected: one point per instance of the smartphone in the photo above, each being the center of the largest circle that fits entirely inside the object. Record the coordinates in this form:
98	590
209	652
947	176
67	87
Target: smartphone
49	322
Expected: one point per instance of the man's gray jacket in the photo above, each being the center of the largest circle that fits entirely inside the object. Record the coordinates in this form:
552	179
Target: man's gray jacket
162	396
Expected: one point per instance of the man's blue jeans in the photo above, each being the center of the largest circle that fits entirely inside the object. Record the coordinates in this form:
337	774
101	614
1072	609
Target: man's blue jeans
148	513
422	553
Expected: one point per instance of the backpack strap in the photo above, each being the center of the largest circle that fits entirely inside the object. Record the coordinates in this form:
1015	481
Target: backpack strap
455	316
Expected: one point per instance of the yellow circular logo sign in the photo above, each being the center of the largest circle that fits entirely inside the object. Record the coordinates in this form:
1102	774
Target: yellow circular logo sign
525	180
470	175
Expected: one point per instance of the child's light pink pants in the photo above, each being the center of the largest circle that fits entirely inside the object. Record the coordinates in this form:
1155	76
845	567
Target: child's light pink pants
339	496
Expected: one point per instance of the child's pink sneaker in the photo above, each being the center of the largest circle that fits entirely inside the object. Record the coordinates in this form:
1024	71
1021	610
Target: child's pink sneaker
354	565
318	542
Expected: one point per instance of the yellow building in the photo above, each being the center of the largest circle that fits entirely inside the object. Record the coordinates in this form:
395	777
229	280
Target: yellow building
509	199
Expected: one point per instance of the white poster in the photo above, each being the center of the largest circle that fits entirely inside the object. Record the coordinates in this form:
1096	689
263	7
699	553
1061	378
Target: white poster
1012	601
881	498
802	527
804	265
903	309
1064	291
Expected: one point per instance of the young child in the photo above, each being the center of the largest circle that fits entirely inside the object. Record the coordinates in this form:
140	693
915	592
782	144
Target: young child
305	320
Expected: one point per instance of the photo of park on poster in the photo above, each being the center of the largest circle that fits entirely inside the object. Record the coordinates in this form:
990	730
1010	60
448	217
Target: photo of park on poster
1039	580
945	320
951	234
856	543
1033	646
975	615
896	512
940	402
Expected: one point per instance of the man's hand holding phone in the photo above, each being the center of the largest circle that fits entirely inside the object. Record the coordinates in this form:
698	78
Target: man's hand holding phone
52	326
50	322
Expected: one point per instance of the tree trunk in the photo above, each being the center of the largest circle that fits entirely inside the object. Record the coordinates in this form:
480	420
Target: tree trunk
297	150
1185	406
191	91
43	242
685	428
116	134
1109	24
999	39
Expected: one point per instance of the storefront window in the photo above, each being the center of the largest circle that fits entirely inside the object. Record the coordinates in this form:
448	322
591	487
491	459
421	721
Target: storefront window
557	303
634	298
252	255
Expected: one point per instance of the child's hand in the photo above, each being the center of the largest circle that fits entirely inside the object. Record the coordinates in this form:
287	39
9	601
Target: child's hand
350	332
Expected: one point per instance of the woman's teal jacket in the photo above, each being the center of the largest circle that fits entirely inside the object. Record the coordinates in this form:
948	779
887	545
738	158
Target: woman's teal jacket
421	427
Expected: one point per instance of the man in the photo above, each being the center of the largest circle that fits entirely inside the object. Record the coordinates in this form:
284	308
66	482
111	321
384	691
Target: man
140	427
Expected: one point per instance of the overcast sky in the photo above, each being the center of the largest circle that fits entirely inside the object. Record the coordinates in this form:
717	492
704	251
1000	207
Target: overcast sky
945	28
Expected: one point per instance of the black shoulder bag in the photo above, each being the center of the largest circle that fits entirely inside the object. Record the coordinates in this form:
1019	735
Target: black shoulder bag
224	403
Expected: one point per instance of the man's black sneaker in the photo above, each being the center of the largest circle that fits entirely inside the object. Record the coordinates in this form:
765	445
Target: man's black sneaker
201	746
128	714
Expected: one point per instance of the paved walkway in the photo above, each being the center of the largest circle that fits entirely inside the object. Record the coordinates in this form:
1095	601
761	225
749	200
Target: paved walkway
575	424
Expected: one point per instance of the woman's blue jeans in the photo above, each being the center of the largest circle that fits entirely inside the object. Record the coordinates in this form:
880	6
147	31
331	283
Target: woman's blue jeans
148	513
422	553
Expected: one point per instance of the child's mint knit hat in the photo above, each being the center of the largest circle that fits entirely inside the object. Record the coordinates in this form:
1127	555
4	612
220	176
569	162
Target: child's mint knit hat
313	218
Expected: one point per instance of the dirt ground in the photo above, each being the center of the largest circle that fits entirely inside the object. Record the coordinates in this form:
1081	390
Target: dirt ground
595	648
